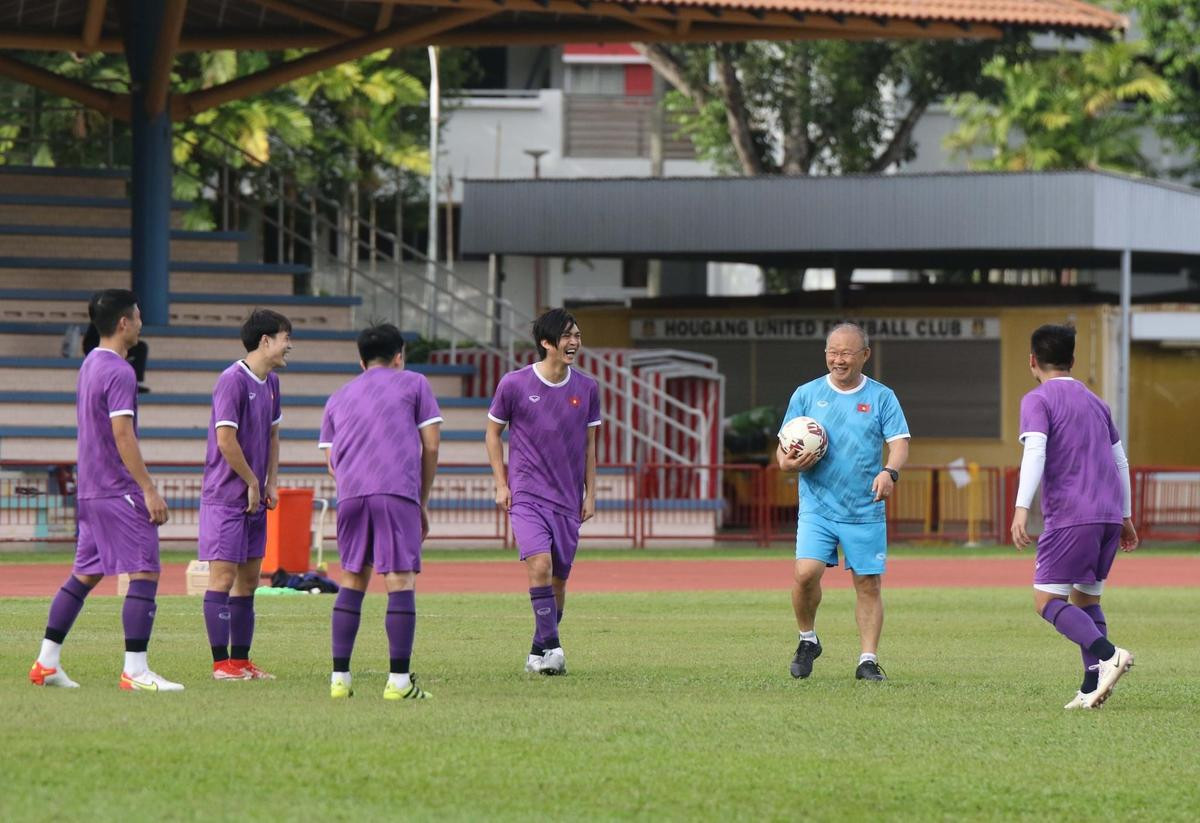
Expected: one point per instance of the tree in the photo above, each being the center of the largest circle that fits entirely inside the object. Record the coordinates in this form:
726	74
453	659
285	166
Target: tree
1062	111
1172	30
815	107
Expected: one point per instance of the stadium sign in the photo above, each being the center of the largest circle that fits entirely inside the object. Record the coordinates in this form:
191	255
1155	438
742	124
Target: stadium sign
667	329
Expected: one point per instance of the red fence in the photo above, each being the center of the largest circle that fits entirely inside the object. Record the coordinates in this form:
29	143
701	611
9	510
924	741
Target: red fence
637	505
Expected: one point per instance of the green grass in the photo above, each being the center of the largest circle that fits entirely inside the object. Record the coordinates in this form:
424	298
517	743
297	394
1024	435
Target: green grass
175	553
677	706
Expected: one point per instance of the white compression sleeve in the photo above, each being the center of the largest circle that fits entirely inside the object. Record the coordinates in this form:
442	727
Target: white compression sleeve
1033	462
1126	487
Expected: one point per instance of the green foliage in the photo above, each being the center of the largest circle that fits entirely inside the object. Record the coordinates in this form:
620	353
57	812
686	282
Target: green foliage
678	707
1172	27
358	121
752	430
1062	111
418	351
817	107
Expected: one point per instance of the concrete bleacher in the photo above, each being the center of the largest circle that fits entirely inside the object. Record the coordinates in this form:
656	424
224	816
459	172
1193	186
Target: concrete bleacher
64	234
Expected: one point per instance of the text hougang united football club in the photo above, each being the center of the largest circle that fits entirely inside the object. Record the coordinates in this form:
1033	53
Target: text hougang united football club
812	328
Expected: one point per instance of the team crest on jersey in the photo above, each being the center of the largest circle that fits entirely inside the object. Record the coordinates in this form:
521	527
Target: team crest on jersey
574	401
533	398
822	403
864	407
253	395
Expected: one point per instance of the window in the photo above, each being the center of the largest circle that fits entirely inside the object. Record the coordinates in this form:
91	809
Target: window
593	78
635	273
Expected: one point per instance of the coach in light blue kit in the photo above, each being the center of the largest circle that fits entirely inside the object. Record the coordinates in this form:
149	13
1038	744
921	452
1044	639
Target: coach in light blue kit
843	495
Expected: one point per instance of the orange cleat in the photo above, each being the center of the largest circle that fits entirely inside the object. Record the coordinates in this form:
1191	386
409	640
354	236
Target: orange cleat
40	675
252	672
227	670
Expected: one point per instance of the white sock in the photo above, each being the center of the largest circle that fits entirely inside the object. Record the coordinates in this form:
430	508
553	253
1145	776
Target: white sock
865	656
400	681
50	653
135	663
811	637
340	677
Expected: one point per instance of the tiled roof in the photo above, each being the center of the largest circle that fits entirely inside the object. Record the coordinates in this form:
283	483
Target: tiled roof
1049	13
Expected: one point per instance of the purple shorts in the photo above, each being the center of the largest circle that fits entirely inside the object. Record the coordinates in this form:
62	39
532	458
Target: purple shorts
1077	554
115	536
379	530
542	530
228	533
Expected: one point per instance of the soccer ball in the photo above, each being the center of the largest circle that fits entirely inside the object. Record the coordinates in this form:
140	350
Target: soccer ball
801	435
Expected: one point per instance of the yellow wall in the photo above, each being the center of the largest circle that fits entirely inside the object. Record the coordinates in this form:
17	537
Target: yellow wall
1164	399
1094	349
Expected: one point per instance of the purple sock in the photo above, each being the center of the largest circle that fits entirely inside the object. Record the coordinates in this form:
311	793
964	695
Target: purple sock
64	608
241	626
137	615
1074	624
347	613
537	649
1091	677
541	598
401	624
216	621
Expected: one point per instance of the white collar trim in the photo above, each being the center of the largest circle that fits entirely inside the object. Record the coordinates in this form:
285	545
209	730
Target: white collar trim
250	372
559	385
855	390
1072	379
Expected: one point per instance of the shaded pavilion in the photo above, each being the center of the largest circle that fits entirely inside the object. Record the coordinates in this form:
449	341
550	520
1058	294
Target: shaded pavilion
152	32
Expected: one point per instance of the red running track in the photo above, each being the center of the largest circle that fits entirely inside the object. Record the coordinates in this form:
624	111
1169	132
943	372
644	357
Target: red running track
41	580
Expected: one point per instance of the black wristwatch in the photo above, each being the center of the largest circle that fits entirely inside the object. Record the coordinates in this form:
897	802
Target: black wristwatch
894	474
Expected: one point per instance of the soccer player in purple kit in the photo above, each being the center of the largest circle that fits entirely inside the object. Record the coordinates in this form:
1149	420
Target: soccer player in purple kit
381	433
118	506
1073	451
240	470
549	488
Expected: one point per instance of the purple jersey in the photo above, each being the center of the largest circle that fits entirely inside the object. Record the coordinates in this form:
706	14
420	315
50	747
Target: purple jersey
372	428
251	406
107	388
547	443
1081	483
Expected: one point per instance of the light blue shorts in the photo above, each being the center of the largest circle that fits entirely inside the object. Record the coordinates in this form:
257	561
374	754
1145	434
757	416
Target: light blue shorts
864	545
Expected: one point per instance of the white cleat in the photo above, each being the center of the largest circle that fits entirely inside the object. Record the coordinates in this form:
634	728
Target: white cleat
41	675
554	662
148	681
534	664
1111	671
1080	701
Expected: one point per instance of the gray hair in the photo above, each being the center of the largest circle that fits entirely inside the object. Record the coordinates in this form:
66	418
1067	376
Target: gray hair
854	327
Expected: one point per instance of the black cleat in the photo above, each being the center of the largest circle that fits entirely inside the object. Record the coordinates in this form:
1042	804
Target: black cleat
869	670
806	653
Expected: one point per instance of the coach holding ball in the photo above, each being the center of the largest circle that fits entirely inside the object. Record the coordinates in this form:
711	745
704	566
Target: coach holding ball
843	491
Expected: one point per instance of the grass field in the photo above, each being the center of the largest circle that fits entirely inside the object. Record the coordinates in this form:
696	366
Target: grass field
182	553
677	706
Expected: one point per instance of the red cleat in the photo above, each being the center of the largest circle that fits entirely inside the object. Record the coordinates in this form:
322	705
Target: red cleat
252	672
226	670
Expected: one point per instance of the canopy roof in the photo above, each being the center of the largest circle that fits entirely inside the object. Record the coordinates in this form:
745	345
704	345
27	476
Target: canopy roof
1082	219
341	31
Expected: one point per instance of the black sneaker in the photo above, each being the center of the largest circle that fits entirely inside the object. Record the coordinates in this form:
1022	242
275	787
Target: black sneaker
869	670
806	653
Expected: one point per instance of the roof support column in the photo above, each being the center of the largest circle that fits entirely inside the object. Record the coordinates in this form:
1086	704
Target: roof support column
1123	357
150	225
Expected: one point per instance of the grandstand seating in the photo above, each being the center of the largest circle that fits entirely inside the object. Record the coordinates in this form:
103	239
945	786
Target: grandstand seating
64	234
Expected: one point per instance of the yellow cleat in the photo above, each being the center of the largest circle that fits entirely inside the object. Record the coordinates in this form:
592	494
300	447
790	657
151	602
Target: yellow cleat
412	692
